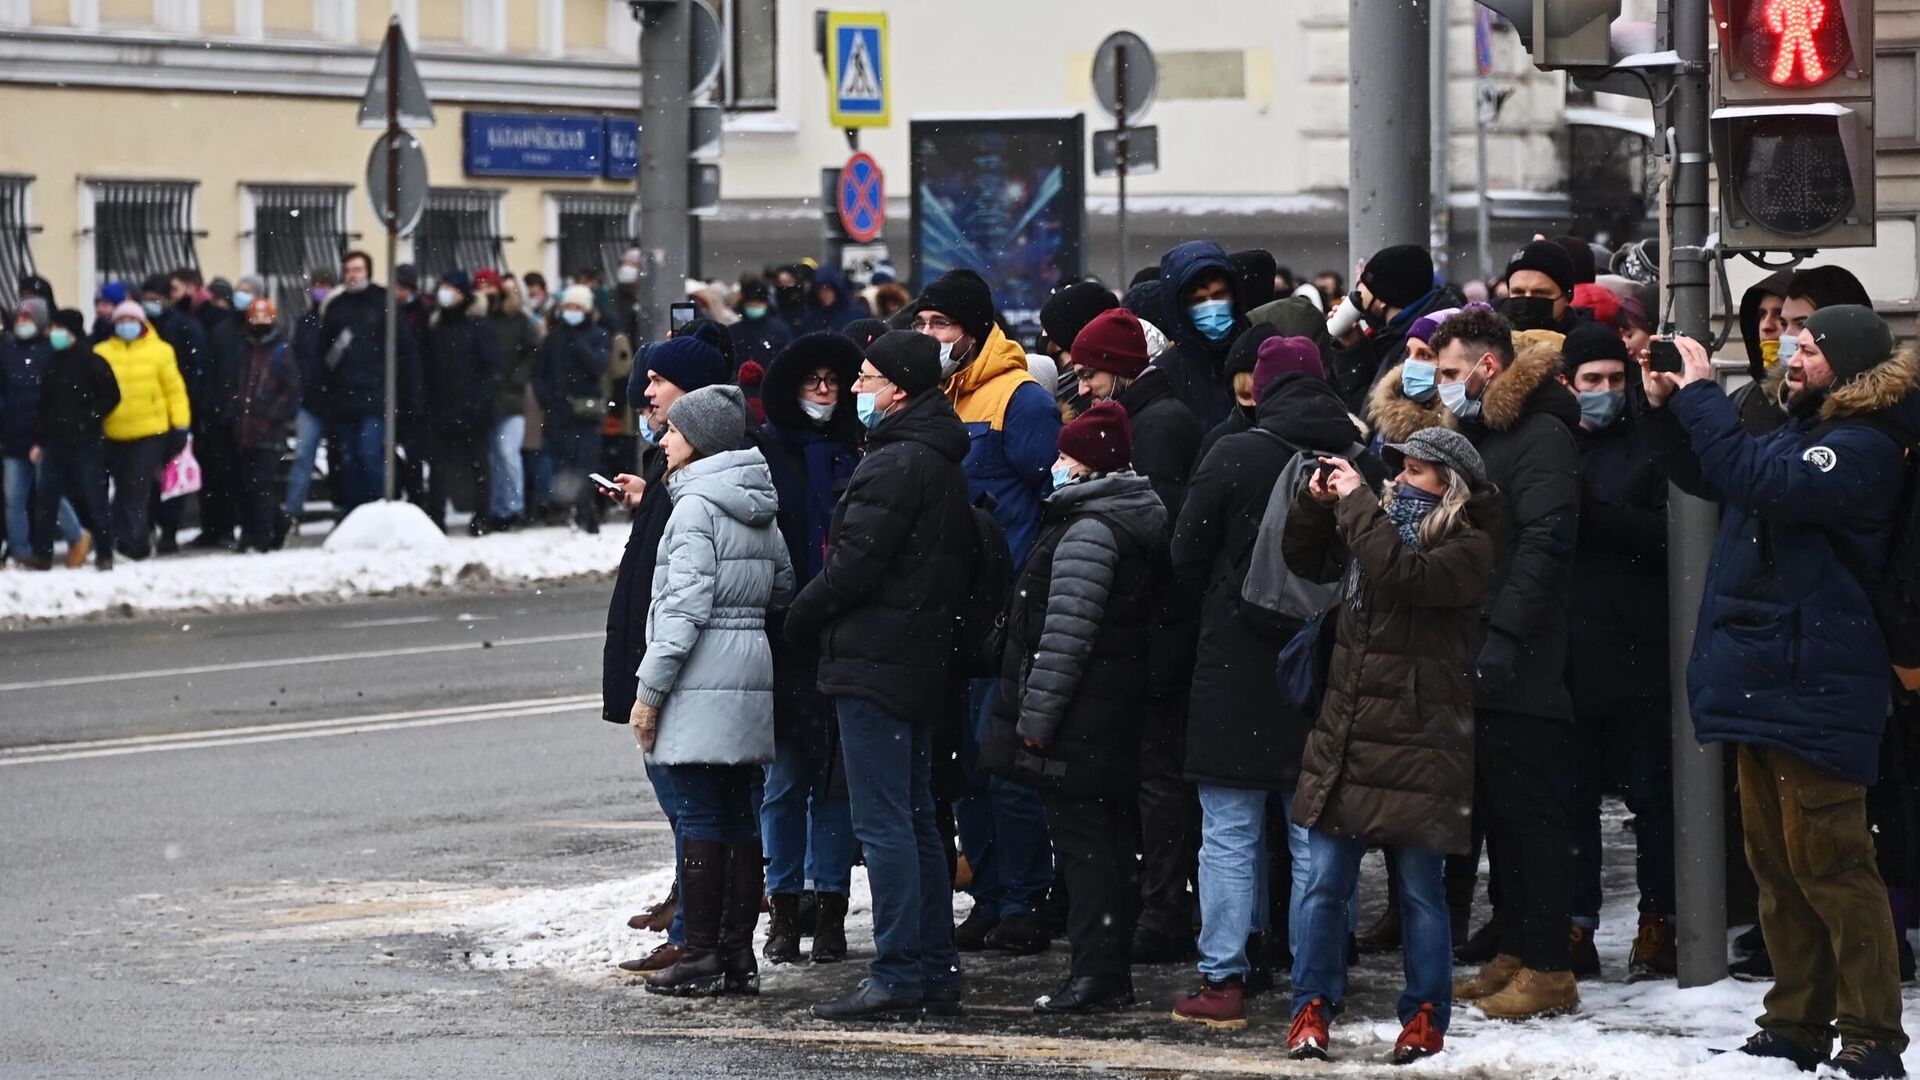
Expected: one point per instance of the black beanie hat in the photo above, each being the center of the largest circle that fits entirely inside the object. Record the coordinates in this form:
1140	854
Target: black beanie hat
74	322
1068	311
1591	341
909	360
1852	338
1580	254
1255	268
1399	275
963	296
865	332
1244	353
1548	258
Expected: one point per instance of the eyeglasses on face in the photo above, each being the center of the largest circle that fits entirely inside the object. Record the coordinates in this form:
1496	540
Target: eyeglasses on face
935	323
820	382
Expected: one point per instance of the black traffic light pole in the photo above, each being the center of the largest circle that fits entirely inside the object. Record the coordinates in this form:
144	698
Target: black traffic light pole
1700	856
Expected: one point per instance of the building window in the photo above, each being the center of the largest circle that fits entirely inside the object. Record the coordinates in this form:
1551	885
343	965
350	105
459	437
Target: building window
591	231
16	255
141	227
459	230
296	230
750	75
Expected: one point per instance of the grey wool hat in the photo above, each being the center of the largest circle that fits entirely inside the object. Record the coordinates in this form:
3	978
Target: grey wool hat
713	418
1443	447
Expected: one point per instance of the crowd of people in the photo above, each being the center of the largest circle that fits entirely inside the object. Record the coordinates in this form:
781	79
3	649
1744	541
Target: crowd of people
1145	638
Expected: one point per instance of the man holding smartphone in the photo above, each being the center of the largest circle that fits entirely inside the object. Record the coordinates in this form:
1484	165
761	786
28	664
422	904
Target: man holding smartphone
1791	665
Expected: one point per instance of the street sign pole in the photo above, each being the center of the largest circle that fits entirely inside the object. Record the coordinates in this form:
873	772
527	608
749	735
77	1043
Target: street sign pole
665	169
392	47
1389	147
1120	143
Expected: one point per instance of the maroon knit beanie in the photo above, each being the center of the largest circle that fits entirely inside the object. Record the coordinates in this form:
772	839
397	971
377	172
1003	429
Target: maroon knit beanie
1100	438
1284	356
1112	342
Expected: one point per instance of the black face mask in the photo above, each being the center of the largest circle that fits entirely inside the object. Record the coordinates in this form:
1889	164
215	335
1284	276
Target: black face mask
258	332
1529	312
791	296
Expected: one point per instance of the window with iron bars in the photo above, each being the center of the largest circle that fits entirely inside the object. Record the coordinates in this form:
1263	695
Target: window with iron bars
296	230
751	80
459	230
16	254
141	227
594	230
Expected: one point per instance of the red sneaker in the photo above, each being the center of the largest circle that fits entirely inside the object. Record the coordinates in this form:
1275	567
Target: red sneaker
1218	1005
1419	1039
1307	1039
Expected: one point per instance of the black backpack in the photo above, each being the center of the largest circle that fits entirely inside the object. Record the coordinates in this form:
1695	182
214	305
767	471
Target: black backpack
980	622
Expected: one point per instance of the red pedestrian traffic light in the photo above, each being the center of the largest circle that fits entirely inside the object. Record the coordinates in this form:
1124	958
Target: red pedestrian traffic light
1799	46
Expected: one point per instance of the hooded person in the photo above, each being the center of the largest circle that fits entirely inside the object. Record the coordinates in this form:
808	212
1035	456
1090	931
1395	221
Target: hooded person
269	402
830	306
1504	390
1764	403
1616	669
33	285
1242	747
806	819
1395	288
146	427
1256	268
463	379
569	384
1792	665
1202	313
1014	427
69	449
1075	668
1297	316
761	333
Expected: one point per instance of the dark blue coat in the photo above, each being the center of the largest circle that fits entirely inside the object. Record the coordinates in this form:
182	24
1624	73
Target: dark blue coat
1617	640
1195	366
23	367
354	387
1787	652
463	369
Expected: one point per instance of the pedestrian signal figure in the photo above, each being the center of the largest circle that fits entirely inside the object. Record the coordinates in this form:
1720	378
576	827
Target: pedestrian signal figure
1795	21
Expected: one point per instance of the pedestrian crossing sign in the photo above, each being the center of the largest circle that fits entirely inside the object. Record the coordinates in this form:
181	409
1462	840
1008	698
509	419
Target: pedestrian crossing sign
857	69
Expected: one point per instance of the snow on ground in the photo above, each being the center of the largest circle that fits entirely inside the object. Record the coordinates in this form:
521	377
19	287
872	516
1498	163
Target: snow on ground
199	582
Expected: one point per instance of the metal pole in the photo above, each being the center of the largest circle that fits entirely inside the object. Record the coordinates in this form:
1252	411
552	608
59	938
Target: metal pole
393	253
665	77
1699	811
1439	184
1387	121
1120	153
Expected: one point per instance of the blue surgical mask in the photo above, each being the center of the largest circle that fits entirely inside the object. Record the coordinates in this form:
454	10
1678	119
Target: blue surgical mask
1062	476
647	433
26	331
754	311
868	405
572	316
1417	380
1600	408
242	299
1454	396
1213	318
1789	344
153	308
60	338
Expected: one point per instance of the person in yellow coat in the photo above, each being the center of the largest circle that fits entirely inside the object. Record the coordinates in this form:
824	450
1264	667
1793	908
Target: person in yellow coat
147	428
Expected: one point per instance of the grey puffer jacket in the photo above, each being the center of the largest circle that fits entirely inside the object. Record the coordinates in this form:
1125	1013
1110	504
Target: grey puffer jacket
721	565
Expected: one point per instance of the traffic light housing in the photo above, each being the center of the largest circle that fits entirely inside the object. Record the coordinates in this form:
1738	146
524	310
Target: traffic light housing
1562	33
1793	124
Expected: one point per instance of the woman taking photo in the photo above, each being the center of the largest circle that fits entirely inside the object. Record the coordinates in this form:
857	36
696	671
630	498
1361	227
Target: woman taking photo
704	709
1389	762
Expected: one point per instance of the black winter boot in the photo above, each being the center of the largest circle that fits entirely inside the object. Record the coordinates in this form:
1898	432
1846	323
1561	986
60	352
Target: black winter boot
830	930
783	930
745	880
703	894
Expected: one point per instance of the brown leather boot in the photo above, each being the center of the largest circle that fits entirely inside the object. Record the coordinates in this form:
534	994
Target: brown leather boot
1583	959
1492	979
1654	950
1533	994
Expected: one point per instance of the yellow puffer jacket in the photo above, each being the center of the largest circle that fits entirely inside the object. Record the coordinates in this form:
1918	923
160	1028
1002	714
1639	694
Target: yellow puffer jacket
153	397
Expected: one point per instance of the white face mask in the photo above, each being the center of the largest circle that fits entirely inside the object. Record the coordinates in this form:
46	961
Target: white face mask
817	412
627	274
949	363
448	297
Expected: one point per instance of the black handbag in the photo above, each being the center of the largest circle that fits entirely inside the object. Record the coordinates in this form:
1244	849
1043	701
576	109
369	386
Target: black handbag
1302	668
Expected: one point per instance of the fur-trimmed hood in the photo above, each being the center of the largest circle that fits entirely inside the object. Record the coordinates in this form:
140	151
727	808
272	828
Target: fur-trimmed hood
1395	416
476	309
1529	384
1878	389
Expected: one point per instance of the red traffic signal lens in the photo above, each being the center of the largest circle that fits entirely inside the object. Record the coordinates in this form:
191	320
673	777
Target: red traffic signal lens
1791	174
1792	43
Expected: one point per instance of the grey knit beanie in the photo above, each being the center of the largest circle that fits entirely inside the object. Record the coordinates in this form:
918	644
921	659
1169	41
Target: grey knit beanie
713	419
1443	447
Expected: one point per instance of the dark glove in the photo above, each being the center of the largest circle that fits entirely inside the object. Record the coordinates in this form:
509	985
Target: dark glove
1493	671
799	632
176	442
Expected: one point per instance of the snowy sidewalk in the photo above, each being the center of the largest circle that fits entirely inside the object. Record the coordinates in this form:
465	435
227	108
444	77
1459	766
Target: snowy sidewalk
223	581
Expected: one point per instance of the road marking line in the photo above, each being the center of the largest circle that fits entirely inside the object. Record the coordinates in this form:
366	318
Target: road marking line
214	740
298	661
654	825
370	624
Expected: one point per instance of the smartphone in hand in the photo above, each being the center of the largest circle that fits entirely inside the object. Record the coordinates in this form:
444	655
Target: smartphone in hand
607	487
1665	356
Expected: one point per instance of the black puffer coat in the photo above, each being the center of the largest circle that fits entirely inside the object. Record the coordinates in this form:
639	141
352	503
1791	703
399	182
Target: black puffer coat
1525	436
1072	674
898	562
633	594
463	368
1166	436
1238	735
1617	655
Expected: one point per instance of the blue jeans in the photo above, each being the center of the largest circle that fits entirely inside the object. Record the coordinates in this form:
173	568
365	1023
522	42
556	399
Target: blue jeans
662	780
506	479
808	830
1233	876
1320	949
308	431
715	803
890	774
363	441
539	469
1002	824
20	478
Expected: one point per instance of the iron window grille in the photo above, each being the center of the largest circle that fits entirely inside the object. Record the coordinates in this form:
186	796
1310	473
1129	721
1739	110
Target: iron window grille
142	227
16	253
459	230
297	229
594	231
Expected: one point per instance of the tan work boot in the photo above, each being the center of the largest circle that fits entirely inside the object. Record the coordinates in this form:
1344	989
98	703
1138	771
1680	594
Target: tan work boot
1492	979
78	551
1533	994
